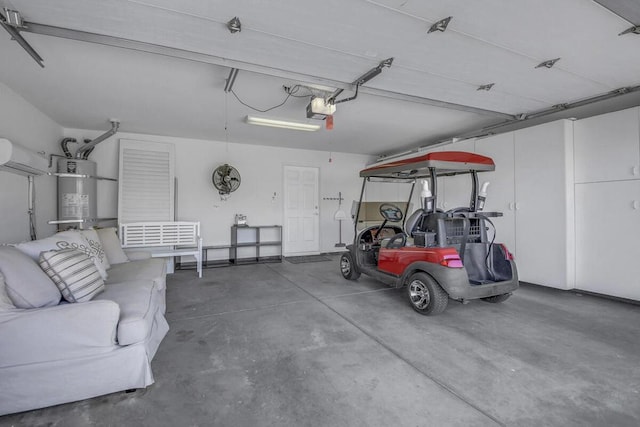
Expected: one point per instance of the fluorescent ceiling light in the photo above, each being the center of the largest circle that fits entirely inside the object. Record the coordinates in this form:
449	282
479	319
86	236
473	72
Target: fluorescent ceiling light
283	124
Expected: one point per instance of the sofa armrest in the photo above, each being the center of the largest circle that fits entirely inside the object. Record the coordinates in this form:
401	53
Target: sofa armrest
62	332
137	255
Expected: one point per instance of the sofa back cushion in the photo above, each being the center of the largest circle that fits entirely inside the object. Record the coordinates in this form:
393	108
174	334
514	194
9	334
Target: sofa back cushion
73	239
27	285
5	301
74	273
111	245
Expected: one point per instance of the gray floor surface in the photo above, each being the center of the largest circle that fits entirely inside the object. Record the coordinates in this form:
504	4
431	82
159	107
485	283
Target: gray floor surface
297	345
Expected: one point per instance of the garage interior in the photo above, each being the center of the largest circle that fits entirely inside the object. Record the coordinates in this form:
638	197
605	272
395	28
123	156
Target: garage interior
548	89
293	345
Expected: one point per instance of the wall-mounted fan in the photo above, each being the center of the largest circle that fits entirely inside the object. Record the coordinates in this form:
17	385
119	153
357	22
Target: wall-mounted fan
226	179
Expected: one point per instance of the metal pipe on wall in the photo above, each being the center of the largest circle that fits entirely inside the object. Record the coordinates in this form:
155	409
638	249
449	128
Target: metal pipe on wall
115	124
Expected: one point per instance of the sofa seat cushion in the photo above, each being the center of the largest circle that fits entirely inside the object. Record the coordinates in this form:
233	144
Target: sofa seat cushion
139	301
146	269
64	332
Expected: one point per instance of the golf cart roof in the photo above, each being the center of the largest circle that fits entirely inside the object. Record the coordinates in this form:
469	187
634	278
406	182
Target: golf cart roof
444	162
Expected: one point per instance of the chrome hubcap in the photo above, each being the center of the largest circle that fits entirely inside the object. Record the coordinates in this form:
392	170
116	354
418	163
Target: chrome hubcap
345	265
419	294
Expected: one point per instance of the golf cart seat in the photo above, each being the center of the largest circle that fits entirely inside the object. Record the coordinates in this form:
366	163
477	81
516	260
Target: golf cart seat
414	221
420	227
410	227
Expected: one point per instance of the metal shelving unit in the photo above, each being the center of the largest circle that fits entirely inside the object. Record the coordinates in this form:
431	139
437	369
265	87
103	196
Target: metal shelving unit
248	246
255	244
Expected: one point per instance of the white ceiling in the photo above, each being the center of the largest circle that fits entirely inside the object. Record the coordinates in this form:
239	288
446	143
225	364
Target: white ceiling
333	42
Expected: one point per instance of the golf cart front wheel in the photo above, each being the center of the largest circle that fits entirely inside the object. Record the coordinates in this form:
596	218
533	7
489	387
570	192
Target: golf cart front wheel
425	295
497	298
348	267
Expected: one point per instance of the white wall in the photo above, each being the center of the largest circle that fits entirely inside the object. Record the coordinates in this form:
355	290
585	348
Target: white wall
22	123
534	190
260	194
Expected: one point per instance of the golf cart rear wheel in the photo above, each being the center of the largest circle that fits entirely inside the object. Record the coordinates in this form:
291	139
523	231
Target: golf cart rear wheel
348	267
425	295
497	298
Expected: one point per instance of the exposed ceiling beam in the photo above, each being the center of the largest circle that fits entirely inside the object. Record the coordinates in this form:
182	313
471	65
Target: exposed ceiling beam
626	9
84	36
13	31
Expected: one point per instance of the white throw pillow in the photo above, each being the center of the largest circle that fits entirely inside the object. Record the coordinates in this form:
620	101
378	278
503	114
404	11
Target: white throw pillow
111	245
25	282
5	301
74	273
65	240
98	254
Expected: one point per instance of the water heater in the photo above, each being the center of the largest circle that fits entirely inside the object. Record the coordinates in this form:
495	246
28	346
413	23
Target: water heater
77	191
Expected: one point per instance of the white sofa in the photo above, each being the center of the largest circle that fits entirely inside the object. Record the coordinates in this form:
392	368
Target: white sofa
54	351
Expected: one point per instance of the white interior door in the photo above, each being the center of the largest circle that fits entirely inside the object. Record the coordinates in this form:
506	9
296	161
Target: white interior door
301	213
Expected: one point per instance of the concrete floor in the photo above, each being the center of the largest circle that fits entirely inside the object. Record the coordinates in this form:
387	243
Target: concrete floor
297	345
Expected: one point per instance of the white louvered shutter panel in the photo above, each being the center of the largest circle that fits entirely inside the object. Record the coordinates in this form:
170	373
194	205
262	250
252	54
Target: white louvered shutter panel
146	181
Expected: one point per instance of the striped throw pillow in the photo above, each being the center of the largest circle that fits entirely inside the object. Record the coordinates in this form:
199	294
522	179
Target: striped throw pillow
74	273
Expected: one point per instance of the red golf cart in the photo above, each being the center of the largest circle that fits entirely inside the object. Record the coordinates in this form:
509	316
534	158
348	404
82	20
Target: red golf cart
437	254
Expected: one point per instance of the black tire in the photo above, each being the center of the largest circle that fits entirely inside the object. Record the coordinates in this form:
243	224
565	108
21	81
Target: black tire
497	298
425	295
348	267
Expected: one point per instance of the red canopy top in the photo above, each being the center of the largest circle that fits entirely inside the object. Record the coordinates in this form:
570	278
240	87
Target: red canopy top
444	162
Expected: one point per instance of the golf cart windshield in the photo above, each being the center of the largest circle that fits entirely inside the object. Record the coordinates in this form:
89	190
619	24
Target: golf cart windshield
373	213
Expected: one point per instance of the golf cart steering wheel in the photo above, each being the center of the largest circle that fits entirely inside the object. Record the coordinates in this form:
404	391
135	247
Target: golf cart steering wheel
397	241
390	213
